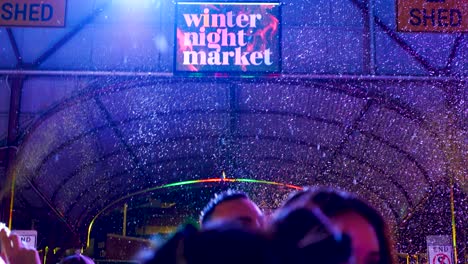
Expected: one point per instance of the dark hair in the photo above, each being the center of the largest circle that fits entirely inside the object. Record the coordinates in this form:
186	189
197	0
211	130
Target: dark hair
77	259
220	198
333	202
303	235
228	243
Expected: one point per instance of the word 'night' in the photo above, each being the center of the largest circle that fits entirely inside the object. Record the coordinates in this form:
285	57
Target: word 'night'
221	30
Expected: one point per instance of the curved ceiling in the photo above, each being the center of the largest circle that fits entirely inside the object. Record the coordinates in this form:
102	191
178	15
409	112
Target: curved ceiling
126	136
369	109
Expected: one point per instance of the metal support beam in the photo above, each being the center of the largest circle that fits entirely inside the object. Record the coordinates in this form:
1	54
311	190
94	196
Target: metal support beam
124	224
58	213
90	18
121	137
230	164
328	164
13	123
14	46
392	34
12	137
343	77
453	53
233	109
369	39
456	163
7	203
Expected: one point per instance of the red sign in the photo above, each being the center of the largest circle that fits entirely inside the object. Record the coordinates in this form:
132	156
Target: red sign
441	258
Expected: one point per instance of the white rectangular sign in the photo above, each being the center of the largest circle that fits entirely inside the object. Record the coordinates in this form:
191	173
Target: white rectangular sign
27	237
439	250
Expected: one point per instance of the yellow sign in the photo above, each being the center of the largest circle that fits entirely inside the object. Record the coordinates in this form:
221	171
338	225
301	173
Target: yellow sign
432	15
32	13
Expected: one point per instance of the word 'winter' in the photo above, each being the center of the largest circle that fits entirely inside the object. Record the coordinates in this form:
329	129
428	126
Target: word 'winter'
242	20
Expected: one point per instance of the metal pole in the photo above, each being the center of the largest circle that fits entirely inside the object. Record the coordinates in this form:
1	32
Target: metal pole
46	251
170	74
453	223
12	203
124	228
368	41
454	156
13	132
371	38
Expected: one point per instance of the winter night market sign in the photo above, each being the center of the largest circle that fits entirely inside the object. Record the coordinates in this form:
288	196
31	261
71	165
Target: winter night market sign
227	37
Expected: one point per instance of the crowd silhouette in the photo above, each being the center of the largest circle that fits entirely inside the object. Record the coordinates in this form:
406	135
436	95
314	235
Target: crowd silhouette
314	225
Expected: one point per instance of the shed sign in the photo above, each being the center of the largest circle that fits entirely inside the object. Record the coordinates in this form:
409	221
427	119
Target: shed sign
32	13
445	16
27	237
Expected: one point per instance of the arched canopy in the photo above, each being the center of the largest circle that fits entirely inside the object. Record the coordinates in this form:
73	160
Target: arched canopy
357	105
127	135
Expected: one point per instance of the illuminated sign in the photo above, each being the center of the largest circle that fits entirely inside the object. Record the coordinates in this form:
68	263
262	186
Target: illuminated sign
227	37
32	13
432	16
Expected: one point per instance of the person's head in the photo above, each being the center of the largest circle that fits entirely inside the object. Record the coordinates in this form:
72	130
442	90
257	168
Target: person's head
227	243
352	216
305	235
77	259
232	206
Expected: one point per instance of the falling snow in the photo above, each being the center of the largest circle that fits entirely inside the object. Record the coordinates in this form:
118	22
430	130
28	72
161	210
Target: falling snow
354	109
